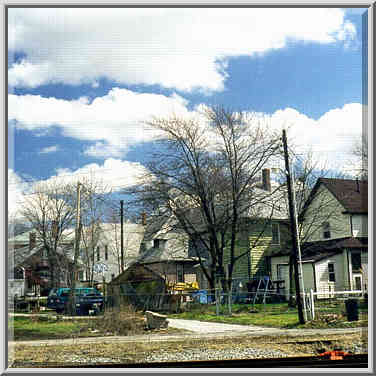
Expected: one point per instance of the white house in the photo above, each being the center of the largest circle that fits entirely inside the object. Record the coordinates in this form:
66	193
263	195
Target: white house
335	252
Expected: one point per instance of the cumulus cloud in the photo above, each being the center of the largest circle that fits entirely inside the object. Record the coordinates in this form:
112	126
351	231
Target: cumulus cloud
114	173
17	186
49	149
185	49
114	121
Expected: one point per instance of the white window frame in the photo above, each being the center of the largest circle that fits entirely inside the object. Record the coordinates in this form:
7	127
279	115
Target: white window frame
331	272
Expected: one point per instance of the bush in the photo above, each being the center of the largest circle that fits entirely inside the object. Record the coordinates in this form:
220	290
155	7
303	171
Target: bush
122	321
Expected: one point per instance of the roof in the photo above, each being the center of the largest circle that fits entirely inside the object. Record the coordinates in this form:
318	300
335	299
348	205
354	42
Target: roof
16	257
315	251
24	238
351	194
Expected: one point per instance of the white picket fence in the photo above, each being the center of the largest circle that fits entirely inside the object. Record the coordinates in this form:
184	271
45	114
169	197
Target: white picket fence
335	295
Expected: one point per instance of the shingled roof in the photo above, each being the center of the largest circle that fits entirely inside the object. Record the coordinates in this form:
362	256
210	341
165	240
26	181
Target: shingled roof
352	194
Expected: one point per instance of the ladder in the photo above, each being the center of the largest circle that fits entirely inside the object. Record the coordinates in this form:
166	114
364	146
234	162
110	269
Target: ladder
264	287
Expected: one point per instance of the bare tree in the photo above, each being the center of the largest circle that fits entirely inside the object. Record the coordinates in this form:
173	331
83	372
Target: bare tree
50	211
95	198
205	176
360	151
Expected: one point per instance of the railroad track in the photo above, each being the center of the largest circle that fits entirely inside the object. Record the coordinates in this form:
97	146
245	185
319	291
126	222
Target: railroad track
349	361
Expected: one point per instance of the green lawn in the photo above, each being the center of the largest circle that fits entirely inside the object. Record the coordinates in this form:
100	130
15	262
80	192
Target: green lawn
278	315
27	328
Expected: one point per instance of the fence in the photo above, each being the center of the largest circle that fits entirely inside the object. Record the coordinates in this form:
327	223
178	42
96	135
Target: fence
334	302
317	304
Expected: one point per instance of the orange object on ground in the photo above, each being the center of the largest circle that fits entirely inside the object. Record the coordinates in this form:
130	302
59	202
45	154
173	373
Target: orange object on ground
335	354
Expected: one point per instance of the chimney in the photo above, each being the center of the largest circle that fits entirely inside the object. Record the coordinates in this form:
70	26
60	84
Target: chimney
357	185
266	185
54	229
143	218
32	240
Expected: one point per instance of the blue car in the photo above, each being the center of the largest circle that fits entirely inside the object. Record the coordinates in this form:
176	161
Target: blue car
87	299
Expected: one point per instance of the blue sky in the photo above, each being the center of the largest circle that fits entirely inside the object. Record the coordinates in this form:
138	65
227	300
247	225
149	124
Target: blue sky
82	82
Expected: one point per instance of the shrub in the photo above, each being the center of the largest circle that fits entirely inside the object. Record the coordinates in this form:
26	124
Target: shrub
121	321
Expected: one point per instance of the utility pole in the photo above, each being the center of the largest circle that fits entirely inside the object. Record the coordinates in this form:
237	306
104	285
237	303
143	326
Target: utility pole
122	233
72	297
293	225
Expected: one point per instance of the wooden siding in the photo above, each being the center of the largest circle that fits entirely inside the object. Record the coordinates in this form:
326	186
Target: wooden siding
253	262
326	208
322	275
360	225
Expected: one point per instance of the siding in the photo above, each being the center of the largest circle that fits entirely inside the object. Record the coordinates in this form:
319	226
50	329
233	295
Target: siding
325	208
255	264
322	275
360	225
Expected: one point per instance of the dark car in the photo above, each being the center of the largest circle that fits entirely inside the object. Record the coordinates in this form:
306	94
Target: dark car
87	299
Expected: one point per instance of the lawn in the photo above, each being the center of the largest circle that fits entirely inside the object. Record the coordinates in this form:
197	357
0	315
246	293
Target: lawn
30	328
278	315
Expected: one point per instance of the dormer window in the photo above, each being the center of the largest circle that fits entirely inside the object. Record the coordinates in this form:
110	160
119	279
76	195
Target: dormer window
326	230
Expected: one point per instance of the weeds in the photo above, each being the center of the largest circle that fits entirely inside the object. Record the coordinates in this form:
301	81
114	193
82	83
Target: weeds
124	321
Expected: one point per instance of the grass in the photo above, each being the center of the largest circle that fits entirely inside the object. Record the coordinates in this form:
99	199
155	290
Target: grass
277	315
31	328
122	322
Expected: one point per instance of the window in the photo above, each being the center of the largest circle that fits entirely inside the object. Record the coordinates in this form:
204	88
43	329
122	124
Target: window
332	277
280	274
106	252
326	230
356	262
156	243
275	233
112	276
81	275
98	254
180	273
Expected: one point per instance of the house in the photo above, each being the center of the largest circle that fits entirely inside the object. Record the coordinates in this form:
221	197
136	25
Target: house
335	253
29	268
168	253
264	231
102	257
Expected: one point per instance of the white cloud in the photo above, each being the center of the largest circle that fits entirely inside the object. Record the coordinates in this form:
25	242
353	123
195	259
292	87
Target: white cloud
16	188
49	149
114	173
115	121
185	49
330	138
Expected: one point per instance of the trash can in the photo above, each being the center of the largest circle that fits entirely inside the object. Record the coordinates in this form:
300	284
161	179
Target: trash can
352	309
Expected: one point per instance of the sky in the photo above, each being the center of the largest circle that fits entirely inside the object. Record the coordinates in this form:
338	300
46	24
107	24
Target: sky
83	82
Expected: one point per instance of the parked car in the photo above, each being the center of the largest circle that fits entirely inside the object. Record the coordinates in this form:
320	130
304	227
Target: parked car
87	299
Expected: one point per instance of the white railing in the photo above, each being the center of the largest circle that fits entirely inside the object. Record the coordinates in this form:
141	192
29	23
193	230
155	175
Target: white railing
311	297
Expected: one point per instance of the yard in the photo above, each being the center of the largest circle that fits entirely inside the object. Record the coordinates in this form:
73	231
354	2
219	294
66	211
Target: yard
277	315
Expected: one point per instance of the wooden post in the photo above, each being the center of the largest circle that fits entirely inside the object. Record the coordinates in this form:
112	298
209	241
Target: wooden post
293	226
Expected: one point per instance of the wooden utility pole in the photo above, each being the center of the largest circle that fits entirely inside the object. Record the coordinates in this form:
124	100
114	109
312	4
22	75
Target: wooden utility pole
72	297
122	233
294	232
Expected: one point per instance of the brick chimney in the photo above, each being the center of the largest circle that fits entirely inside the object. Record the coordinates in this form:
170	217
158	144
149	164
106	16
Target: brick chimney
54	229
266	185
143	218
32	240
